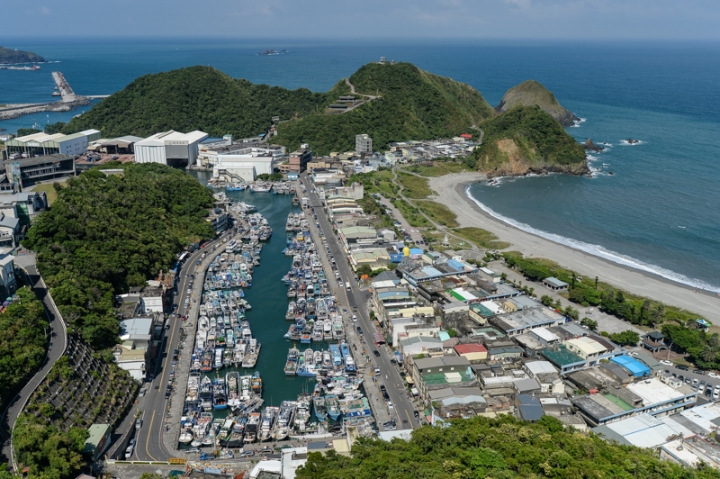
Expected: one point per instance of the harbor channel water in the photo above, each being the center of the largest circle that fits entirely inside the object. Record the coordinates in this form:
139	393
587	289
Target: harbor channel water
269	301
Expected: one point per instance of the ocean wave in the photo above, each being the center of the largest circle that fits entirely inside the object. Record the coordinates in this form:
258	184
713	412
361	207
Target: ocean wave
577	123
597	250
626	143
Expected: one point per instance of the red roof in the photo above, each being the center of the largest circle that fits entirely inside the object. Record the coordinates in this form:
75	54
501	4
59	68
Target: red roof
466	135
470	348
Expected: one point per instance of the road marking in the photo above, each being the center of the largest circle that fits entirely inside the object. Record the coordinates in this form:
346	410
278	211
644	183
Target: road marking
147	441
409	420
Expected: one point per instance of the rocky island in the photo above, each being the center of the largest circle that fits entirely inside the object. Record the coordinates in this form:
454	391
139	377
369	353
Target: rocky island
532	93
10	56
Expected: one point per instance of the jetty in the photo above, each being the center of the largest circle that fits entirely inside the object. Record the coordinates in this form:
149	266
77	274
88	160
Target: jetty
69	100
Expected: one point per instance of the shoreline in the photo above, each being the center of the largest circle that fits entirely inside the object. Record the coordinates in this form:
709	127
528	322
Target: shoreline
450	190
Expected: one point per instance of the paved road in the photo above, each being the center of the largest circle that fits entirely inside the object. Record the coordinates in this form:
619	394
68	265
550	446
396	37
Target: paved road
56	348
358	298
149	438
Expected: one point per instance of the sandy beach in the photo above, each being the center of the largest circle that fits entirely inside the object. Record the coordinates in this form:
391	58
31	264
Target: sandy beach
450	190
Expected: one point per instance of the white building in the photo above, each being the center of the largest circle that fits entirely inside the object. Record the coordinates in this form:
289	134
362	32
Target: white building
42	144
7	273
244	164
170	148
134	350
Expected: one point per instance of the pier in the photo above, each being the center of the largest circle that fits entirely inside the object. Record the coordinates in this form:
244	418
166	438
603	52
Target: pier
69	101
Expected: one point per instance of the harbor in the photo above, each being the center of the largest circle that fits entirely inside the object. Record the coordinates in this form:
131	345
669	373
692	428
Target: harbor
267	360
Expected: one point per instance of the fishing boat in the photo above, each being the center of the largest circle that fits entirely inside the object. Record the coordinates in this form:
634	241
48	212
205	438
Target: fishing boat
291	365
284	420
186	435
219	394
302	413
333	407
219	357
236	436
251	357
232	383
251	428
320	408
267	422
256	383
206	393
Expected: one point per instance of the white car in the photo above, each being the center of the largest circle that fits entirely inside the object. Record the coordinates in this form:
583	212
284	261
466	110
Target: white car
666	362
712	375
129	451
354	317
340	283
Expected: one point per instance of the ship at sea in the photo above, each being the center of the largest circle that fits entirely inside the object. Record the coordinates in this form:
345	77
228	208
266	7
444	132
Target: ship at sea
272	52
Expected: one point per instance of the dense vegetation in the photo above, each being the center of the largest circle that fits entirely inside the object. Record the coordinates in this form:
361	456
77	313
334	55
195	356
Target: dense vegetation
10	55
592	292
23	342
703	348
195	98
413	104
532	93
27	131
104	234
500	448
50	452
529	136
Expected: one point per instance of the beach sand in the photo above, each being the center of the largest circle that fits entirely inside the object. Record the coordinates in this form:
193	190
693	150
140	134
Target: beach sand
450	190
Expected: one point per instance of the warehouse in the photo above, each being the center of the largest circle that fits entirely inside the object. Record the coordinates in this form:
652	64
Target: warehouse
42	144
170	148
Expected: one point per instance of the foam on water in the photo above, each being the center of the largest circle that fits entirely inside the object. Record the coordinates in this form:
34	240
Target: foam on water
597	250
626	143
577	123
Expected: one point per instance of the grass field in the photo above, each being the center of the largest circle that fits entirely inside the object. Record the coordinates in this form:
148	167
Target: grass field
411	214
438	212
482	238
414	187
49	191
440	168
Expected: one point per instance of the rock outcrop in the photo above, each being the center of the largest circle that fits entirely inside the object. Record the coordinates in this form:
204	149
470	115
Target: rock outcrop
590	146
532	93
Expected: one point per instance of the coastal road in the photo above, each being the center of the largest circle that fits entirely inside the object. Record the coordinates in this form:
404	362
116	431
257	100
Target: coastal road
150	436
358	298
57	343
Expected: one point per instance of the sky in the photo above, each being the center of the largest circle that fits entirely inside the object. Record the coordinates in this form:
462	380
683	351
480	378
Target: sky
365	19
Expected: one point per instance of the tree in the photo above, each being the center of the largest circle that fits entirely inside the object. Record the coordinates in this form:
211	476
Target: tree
596	282
625	338
546	300
591	324
364	270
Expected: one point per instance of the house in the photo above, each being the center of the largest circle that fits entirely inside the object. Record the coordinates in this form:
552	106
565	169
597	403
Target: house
416	345
555	284
136	348
523	321
375	258
474	352
547	376
437	373
386	279
654	341
98	440
456	402
8	281
28	171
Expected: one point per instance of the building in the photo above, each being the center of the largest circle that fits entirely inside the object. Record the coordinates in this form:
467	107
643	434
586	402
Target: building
8	281
416	345
135	350
474	352
437	373
524	321
363	144
357	235
98	440
27	171
456	402
555	284
416	273
218	219
650	396
375	258
43	144
170	148
298	159
642	430
244	164
692	452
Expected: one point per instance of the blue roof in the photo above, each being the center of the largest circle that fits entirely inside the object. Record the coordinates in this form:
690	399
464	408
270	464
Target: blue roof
456	265
635	367
430	271
444	336
416	251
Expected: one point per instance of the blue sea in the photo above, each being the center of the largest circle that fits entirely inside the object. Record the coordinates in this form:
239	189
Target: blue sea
658	211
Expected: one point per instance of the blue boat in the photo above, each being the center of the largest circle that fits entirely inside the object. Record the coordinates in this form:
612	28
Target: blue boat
336	356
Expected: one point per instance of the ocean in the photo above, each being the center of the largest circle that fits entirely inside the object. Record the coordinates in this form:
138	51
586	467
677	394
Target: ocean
658	211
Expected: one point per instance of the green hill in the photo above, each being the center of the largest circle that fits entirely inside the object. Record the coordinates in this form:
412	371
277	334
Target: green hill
527	140
9	55
502	448
413	104
532	93
193	98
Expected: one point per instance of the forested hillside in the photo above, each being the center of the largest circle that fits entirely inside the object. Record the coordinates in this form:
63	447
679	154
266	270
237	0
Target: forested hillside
413	105
22	344
104	234
502	448
195	98
527	139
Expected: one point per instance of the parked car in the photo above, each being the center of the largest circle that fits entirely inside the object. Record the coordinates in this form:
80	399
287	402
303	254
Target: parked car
193	450
682	367
129	451
138	423
247	454
376	353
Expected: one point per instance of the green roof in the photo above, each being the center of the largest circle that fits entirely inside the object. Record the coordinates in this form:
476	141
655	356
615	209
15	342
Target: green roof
439	378
618	402
561	357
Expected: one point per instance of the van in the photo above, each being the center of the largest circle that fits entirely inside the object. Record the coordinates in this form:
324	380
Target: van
347	286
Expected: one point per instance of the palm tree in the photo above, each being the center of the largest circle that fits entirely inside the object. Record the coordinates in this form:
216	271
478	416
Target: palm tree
709	354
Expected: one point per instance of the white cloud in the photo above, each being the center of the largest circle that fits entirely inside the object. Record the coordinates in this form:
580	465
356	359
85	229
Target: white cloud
44	11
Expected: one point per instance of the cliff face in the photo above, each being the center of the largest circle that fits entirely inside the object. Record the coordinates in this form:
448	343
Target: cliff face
527	140
532	93
9	55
